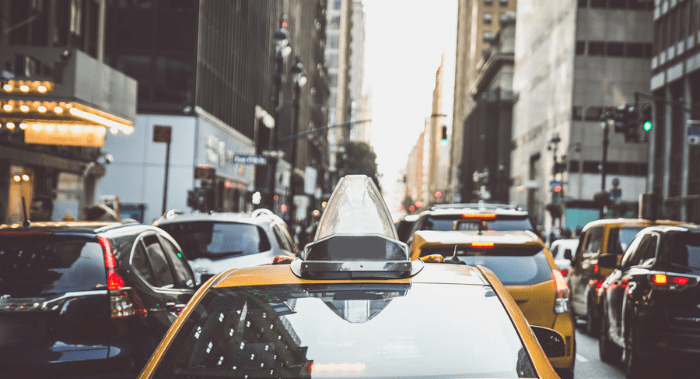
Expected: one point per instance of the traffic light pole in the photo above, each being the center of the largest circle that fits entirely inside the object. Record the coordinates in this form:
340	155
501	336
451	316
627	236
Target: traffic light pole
603	170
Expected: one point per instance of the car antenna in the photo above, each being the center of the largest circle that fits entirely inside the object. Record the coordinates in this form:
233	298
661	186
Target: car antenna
454	259
25	223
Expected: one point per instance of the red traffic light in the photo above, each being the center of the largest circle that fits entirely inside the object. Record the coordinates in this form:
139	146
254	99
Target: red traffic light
557	188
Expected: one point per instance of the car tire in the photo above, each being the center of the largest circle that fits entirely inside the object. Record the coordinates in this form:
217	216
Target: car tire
635	367
608	351
592	323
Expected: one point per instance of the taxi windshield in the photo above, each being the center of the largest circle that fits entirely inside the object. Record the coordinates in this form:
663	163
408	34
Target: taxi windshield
356	207
342	330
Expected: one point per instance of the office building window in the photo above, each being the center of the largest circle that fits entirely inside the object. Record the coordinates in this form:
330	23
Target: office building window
617	4
335	22
336	4
488	2
596	48
488	18
504	3
615	49
580	47
598	3
583	3
635	50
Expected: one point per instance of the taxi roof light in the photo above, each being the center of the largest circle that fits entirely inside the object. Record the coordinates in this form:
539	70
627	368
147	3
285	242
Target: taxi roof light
356	237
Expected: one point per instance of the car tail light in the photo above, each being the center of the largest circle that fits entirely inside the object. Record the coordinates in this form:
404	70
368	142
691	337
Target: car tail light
561	300
670	282
595	268
124	301
489	216
433	258
482	244
564	272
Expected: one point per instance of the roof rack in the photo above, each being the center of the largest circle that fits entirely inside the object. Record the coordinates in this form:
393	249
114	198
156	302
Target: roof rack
479	205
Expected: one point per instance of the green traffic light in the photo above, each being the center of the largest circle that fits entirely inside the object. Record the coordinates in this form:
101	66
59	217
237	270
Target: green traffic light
647	126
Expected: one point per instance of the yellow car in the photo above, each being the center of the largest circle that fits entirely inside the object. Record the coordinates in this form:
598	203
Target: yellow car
354	304
526	268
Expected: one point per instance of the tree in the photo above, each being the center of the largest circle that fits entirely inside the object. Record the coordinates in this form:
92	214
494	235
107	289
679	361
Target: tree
358	158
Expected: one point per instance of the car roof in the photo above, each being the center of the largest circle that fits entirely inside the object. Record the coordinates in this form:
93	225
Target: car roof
257	217
84	227
631	222
462	210
566	242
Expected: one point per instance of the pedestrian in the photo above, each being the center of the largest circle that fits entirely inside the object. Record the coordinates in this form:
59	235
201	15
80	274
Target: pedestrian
100	212
41	208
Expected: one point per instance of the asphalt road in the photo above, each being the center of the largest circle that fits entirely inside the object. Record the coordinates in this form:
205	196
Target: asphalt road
588	363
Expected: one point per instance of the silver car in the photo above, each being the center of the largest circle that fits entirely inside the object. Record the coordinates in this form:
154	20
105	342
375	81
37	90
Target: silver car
562	251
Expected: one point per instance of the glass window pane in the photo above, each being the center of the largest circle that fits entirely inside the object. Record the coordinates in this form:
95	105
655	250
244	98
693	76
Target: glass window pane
182	272
596	48
161	270
615	49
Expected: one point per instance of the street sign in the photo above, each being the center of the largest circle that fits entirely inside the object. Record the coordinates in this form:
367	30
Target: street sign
258	160
161	133
204	172
554	183
278	154
693	133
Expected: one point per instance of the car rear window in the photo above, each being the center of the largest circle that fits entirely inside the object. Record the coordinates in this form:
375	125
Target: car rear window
620	238
43	266
501	223
684	250
521	265
376	331
218	239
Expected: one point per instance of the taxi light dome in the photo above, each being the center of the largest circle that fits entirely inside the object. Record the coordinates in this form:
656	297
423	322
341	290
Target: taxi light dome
356	207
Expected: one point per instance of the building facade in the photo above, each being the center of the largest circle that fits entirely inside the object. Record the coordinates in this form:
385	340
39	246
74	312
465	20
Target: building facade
675	85
573	62
476	18
487	142
207	70
60	104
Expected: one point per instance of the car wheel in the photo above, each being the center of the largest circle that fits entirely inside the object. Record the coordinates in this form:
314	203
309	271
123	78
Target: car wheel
635	367
592	323
608	351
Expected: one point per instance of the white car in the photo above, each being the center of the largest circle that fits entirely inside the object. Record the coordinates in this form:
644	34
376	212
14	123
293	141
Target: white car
559	249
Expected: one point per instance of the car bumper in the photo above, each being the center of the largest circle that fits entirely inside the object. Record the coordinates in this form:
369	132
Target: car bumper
565	326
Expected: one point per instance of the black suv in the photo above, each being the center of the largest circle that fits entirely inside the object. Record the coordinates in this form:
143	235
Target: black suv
471	216
651	301
213	242
87	298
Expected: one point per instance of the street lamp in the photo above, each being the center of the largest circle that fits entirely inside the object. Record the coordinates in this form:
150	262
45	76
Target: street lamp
282	51
299	80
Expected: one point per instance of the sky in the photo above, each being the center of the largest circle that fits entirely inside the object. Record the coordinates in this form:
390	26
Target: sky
404	42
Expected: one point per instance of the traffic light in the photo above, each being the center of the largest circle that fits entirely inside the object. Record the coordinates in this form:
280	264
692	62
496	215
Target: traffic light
192	199
646	120
625	122
556	192
443	141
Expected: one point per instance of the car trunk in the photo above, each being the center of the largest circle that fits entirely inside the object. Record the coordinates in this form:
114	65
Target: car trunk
54	304
536	302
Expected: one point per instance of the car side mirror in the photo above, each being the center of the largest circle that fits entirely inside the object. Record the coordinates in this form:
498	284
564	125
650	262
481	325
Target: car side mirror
551	341
567	254
607	260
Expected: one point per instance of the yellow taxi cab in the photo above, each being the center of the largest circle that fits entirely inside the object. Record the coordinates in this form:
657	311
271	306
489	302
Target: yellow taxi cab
523	265
586	277
354	304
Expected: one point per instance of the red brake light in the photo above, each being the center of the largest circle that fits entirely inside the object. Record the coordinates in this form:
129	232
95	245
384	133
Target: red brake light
680	280
595	268
482	244
564	272
660	279
479	215
114	280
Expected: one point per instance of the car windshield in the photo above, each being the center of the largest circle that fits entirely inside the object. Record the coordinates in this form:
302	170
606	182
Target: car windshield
521	265
348	331
620	238
217	239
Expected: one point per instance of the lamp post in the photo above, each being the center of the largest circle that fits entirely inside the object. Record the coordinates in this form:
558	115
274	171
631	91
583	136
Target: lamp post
282	51
298	80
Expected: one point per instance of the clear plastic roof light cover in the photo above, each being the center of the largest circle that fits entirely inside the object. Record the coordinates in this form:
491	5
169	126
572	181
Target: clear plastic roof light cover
356	207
